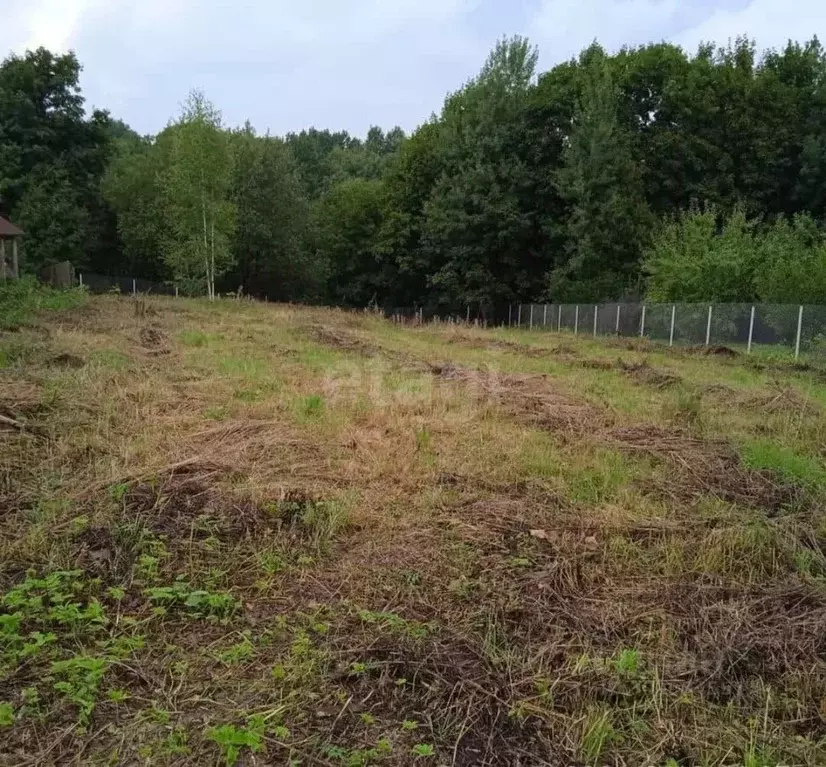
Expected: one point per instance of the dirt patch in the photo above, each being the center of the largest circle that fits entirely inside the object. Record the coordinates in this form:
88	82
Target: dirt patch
725	352
185	507
342	339
528	398
706	467
67	361
596	364
154	341
643	373
446	673
782	399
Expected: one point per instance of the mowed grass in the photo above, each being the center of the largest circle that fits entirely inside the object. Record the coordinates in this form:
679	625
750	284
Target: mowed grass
241	533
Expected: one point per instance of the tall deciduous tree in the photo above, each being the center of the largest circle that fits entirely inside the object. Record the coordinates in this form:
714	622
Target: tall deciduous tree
601	179
480	225
195	189
272	219
51	161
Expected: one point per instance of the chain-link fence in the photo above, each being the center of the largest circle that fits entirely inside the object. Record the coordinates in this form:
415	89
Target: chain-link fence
796	328
101	283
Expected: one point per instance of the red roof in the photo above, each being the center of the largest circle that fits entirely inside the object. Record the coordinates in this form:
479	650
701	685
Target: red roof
8	229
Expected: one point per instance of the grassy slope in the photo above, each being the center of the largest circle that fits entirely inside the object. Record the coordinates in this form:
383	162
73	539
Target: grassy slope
248	531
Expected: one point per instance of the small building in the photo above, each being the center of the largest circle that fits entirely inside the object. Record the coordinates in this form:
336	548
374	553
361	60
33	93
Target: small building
9	234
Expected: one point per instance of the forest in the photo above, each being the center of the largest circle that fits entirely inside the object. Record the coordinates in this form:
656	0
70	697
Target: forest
650	172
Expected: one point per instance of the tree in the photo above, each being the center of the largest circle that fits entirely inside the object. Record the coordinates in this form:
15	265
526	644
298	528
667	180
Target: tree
51	161
791	263
131	187
609	219
480	227
195	190
696	257
346	223
271	221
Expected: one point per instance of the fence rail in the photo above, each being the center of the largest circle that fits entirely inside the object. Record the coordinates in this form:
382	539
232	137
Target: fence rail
101	283
797	328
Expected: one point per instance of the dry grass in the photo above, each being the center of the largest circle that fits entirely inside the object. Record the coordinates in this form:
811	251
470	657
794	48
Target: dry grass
306	536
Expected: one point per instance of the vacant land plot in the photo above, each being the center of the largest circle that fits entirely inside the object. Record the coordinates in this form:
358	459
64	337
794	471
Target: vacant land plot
243	533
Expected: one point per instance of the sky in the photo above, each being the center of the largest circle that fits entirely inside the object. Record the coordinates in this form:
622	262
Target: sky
349	64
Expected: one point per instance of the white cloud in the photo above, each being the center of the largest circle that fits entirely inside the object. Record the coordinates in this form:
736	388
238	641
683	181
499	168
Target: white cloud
288	64
771	23
562	28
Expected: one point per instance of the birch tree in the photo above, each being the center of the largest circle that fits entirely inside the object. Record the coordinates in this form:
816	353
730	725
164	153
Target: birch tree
196	188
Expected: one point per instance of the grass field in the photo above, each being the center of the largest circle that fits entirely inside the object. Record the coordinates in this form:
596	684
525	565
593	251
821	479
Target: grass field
252	534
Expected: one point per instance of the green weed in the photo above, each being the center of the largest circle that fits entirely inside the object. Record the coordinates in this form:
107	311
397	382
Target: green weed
6	714
79	679
802	469
20	300
597	733
231	740
312	406
196	602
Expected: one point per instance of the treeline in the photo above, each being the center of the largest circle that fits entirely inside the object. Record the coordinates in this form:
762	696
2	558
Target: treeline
647	172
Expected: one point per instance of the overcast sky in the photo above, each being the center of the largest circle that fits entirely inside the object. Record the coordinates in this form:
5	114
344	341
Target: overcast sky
290	64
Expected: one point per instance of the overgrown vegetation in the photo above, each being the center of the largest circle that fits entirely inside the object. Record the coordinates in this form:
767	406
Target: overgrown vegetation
21	299
470	547
701	170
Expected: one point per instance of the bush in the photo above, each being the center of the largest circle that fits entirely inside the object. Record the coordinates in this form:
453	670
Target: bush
698	257
692	259
21	299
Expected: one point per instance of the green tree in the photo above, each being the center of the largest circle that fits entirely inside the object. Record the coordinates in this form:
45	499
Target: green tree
791	263
480	223
195	191
609	219
346	225
694	257
51	161
272	219
131	187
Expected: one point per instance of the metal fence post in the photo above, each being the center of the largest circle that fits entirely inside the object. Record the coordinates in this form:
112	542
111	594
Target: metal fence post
642	322
559	319
530	322
673	316
510	314
708	326
80	278
134	287
176	291
596	311
616	328
468	314
545	315
576	320
519	315
799	328
751	330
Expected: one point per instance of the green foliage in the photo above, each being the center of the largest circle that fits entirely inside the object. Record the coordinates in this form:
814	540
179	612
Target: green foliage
6	714
609	219
691	260
21	299
196	602
79	679
52	158
195	194
701	256
703	174
802	469
422	750
232	740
